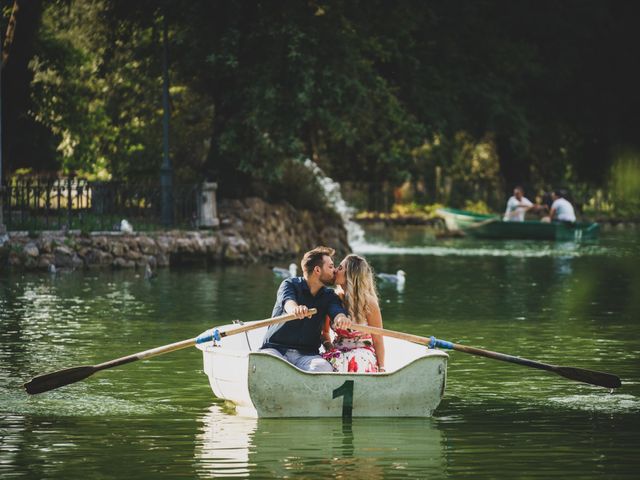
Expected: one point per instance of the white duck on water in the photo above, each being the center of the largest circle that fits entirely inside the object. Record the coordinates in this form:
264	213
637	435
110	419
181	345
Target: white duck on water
398	278
284	273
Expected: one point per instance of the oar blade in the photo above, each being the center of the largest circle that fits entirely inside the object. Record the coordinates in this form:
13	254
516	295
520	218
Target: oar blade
53	380
601	379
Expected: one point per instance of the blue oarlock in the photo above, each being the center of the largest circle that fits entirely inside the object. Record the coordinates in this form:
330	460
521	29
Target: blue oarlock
213	335
436	343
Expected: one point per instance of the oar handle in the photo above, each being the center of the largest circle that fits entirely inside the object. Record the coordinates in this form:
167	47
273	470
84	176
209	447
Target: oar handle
213	334
433	342
593	377
391	333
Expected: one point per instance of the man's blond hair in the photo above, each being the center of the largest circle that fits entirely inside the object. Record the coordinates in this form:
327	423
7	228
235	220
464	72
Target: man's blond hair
315	258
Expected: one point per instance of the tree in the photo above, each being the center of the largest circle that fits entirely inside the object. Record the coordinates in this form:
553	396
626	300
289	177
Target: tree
360	86
25	142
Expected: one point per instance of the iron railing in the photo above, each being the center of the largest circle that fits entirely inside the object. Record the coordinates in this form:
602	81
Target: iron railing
73	203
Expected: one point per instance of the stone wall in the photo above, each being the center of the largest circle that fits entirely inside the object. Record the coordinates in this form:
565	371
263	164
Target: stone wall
251	230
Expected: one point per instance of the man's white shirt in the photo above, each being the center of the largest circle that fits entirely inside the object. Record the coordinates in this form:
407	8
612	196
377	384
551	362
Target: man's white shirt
563	210
513	213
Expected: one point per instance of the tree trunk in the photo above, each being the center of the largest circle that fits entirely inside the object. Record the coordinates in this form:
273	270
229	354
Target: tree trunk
21	142
513	164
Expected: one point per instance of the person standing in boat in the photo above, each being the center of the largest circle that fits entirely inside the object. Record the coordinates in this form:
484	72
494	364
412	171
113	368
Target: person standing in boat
561	208
517	206
298	341
354	351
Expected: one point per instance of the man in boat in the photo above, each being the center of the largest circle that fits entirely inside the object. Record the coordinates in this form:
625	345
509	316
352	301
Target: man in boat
517	206
561	208
298	341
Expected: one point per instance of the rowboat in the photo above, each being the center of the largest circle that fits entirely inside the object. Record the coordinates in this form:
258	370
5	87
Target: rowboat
492	226
261	385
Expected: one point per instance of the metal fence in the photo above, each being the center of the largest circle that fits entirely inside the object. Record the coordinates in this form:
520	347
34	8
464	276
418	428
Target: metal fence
72	203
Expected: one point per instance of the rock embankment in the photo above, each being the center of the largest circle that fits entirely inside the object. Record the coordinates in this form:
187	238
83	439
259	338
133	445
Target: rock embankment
251	230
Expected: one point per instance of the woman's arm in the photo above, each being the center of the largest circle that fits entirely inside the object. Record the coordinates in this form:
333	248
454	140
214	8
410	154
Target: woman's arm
326	335
374	318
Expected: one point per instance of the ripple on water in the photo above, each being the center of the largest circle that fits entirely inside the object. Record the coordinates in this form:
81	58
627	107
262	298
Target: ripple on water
520	252
612	403
65	404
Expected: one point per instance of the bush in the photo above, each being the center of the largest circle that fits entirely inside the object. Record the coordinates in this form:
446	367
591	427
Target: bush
477	207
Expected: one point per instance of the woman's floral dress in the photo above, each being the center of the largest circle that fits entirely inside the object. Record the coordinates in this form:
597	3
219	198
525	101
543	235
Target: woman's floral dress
352	352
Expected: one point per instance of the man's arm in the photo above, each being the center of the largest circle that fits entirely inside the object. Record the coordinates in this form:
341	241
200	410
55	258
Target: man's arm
337	314
525	204
291	306
287	295
326	336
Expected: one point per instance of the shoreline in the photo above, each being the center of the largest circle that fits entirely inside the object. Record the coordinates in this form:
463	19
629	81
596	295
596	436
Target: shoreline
396	219
251	230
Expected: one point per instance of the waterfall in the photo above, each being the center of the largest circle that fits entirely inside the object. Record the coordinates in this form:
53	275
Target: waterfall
356	235
333	196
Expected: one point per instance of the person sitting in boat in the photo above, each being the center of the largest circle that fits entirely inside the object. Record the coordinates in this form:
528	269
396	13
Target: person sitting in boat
298	341
561	209
354	351
517	206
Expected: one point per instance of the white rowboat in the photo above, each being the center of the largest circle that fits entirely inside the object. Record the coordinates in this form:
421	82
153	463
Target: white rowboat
262	385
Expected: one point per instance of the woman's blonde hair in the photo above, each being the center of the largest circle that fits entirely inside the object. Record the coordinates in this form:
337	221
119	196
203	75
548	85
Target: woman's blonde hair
360	289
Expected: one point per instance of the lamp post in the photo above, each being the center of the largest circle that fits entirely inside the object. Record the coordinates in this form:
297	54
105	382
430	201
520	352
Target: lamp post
166	171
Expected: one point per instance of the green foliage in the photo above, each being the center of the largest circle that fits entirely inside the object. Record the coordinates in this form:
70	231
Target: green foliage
477	207
625	183
403	211
370	89
296	185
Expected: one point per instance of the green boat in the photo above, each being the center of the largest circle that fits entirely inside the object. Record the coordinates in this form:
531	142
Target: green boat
492	226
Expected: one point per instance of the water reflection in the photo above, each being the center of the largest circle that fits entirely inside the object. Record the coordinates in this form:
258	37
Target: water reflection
576	307
415	241
563	266
232	446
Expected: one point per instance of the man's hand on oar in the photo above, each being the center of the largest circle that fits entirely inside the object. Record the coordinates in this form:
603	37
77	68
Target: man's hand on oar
593	377
53	380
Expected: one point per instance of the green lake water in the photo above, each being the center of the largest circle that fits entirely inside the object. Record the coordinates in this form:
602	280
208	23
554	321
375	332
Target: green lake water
565	304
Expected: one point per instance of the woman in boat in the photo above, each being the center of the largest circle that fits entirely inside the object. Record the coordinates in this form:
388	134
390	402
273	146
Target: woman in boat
353	351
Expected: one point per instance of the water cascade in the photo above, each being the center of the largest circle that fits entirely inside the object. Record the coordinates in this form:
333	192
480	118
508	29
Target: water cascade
333	195
359	244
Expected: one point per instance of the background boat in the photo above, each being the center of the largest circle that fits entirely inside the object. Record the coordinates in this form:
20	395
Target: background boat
492	226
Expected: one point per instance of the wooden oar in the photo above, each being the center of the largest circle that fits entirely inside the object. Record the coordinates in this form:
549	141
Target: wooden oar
50	381
593	377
